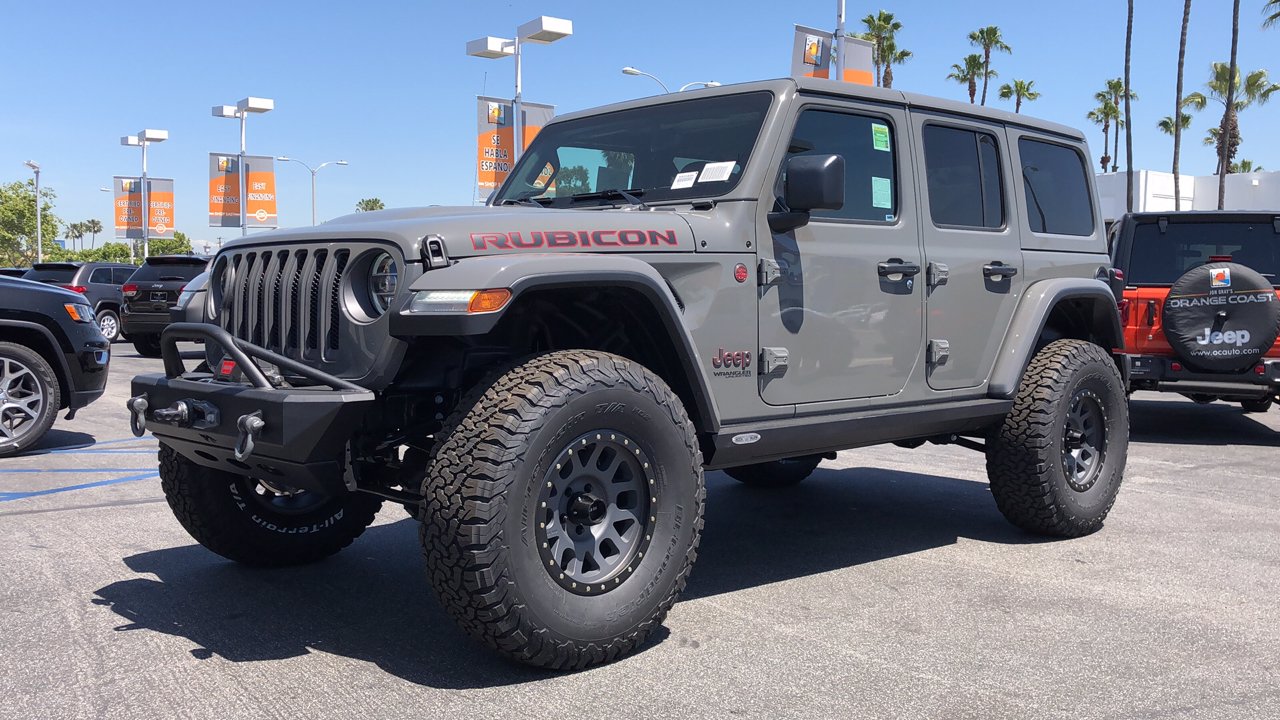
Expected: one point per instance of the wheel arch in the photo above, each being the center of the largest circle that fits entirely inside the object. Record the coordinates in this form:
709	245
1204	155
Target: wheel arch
41	341
1055	309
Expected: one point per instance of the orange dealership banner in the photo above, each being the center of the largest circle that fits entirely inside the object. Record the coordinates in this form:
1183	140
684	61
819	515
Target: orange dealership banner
811	56
224	190
495	137
128	207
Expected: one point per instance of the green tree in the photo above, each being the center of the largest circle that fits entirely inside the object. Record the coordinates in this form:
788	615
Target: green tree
1018	91
1166	124
18	222
1245	166
1114	93
73	232
1184	120
1105	114
93	226
892	56
572	180
179	244
969	73
988	38
881	29
1255	88
1229	130
1272	11
370	204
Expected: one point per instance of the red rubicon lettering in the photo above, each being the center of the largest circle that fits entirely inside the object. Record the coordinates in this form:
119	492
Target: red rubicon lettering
484	241
572	238
597	237
665	236
560	238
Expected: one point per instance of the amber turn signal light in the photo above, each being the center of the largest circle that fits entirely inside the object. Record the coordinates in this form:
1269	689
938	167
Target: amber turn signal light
488	300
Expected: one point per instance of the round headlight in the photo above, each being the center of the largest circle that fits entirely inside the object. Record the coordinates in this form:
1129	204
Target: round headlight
384	280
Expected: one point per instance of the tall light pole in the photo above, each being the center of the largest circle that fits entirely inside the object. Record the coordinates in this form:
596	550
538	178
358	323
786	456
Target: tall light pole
628	70
840	44
314	170
241	112
142	140
542	31
35	168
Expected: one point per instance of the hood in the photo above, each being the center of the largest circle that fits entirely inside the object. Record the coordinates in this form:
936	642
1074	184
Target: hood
18	285
483	230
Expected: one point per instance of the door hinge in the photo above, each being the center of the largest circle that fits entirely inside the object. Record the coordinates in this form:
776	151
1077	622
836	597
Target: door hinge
773	359
768	271
938	274
939	352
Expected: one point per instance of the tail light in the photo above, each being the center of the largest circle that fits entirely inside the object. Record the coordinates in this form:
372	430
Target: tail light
77	288
1123	306
129	289
1260	369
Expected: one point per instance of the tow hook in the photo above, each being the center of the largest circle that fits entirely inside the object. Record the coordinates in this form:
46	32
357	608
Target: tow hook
137	414
250	426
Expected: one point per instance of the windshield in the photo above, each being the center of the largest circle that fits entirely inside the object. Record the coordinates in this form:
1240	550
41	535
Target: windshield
673	151
1161	258
169	269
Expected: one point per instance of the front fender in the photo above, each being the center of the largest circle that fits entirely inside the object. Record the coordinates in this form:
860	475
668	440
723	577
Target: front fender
1029	322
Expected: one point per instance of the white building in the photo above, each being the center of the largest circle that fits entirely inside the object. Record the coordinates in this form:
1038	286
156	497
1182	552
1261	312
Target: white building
1153	192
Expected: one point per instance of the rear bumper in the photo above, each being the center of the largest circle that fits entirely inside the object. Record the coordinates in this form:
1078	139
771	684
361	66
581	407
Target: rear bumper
143	323
304	432
1152	372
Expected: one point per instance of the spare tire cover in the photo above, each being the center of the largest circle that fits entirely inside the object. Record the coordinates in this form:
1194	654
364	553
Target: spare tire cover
1221	317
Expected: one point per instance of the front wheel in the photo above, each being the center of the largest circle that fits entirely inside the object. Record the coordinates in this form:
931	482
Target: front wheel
563	507
29	398
257	522
1056	462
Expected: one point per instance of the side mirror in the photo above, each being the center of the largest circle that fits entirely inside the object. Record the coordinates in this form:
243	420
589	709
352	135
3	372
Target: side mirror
813	182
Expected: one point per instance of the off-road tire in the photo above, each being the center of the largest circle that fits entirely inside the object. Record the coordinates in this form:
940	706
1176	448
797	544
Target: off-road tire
775	474
216	508
146	345
114	322
1257	406
47	382
481	513
1025	454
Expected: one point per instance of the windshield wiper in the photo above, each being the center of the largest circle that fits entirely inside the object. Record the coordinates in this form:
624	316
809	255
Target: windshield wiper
523	201
631	196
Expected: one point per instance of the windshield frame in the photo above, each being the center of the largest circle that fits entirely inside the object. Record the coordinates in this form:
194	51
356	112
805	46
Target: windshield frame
754	154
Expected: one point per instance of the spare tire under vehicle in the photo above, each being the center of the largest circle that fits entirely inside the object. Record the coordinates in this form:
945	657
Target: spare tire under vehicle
1221	317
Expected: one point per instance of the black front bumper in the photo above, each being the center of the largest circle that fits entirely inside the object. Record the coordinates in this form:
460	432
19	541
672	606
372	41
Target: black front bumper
1164	374
305	431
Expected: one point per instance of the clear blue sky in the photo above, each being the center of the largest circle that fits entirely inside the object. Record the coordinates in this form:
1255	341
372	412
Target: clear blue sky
388	87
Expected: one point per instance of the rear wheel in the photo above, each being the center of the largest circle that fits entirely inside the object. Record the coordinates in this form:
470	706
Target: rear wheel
778	473
109	324
1257	406
146	345
563	507
29	398
256	522
1056	462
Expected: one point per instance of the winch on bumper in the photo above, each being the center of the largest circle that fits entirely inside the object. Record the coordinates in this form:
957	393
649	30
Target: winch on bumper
294	436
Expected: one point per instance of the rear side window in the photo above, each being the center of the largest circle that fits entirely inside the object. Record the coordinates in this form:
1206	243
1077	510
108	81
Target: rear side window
121	275
1056	188
868	147
168	270
51	274
101	276
1160	258
962	168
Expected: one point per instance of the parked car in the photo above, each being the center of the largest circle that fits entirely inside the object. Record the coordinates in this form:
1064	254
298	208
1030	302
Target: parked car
149	294
1198	298
13	271
191	301
99	282
660	287
52	356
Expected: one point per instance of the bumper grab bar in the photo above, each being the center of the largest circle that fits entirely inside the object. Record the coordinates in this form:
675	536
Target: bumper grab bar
240	351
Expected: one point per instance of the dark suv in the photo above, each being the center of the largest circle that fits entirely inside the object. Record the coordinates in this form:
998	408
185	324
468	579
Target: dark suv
149	294
98	282
52	356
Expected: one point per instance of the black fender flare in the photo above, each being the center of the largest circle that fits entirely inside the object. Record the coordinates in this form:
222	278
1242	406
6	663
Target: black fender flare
59	360
1033	313
554	271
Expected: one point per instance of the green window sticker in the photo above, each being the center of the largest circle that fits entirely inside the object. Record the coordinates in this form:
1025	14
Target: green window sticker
880	137
881	192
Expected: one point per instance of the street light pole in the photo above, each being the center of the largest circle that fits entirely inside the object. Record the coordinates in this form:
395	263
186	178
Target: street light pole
35	167
313	172
840	44
241	111
143	139
628	70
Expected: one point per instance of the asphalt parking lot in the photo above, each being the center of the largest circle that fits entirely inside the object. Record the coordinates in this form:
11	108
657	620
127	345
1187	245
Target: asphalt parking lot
887	585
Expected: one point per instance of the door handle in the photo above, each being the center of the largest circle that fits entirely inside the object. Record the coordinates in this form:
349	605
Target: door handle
895	266
999	270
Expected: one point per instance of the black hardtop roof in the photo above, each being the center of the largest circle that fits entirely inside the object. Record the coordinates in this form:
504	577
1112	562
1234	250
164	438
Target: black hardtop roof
177	259
1202	215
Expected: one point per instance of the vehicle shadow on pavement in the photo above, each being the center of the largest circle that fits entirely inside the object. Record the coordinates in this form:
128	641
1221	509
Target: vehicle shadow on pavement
58	439
372	601
1188	423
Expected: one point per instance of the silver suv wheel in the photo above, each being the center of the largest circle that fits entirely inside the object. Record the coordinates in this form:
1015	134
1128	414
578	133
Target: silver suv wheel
21	399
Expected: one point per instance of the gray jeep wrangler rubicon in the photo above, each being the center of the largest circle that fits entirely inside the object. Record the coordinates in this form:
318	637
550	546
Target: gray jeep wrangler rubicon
746	278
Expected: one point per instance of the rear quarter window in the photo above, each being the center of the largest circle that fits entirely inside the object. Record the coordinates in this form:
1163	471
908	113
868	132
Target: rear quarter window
1056	189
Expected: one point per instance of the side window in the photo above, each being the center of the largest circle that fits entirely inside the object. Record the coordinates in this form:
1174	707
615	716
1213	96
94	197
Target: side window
101	276
1057	189
962	167
867	145
122	275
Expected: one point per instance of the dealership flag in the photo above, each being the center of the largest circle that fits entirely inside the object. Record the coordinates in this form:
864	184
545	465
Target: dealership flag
495	137
128	207
811	56
224	190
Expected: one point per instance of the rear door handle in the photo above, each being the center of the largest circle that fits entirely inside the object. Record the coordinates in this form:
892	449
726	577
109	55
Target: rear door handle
895	266
999	269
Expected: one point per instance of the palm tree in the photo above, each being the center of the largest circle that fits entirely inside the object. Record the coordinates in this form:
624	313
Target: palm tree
1245	166
969	73
1272	10
1184	120
74	232
1166	124
1104	115
1019	90
93	227
369	205
881	29
988	38
1256	88
1230	127
1115	93
1128	111
892	56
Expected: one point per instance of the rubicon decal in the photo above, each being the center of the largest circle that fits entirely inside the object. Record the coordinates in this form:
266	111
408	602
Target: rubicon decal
735	363
538	239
